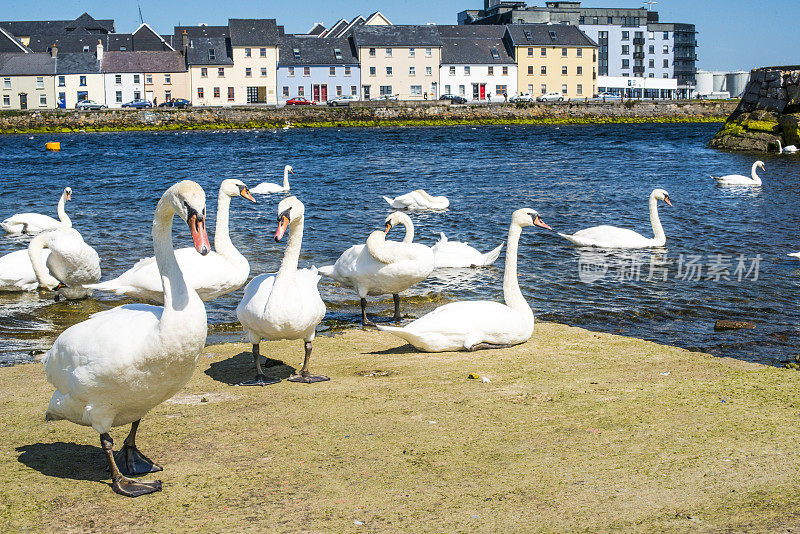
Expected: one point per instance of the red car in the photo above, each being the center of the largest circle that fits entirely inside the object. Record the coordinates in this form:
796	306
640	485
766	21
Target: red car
298	101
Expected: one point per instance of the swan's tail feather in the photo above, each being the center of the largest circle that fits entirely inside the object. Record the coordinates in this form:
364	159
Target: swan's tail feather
109	285
405	335
491	256
325	270
389	200
442	238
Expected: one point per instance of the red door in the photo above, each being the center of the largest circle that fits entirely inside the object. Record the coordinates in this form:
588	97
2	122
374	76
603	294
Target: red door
324	93
315	93
483	91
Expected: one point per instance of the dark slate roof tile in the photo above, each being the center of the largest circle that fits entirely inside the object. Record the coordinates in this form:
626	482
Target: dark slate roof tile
144	61
197	53
411	36
80	63
254	32
315	51
27	65
475	51
540	35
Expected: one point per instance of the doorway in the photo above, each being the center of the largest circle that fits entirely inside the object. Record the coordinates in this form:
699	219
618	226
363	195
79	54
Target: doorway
365	91
23	101
319	92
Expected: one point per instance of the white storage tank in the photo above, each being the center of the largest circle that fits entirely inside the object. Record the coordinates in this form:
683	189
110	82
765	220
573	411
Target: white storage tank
705	82
719	82
736	83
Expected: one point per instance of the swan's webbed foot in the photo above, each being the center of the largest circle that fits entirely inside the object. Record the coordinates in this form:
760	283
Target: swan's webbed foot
131	461
134	488
487	346
308	378
260	380
368	324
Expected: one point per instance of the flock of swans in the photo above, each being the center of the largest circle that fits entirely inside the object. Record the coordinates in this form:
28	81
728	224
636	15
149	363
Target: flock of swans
113	368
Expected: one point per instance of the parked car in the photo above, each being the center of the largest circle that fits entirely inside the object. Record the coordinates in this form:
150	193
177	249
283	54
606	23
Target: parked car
179	103
138	103
299	101
89	104
522	97
388	97
553	96
455	99
607	96
343	100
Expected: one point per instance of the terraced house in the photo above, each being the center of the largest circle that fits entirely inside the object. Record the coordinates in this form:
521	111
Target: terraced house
317	69
27	81
209	60
399	61
254	49
78	77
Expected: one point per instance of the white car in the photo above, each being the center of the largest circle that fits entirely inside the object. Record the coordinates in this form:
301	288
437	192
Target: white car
522	97
89	104
554	96
343	100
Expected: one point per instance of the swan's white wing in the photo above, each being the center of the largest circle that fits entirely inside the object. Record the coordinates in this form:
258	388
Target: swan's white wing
608	237
456	254
794	255
266	188
735	179
16	271
34	222
72	261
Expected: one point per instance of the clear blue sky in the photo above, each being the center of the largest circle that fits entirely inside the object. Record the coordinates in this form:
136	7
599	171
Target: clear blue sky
733	34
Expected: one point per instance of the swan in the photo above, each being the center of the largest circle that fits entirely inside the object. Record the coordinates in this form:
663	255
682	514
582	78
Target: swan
218	273
448	253
265	188
795	255
33	223
479	324
285	305
613	237
71	265
16	271
113	368
382	267
738	179
791	149
418	200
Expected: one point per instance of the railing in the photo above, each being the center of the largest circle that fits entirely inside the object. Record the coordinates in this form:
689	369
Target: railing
639	41
638	55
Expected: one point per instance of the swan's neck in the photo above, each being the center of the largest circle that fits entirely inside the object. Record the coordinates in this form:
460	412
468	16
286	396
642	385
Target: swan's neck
780	151
409	226
62	213
511	291
753	174
291	256
43	275
376	245
658	230
286	179
222	236
176	292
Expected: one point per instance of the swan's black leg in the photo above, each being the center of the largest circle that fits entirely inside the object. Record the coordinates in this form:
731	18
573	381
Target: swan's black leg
364	321
119	483
261	379
396	317
486	346
130	459
304	375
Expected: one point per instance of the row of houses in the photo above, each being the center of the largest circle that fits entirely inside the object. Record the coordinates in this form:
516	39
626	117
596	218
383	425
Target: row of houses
253	61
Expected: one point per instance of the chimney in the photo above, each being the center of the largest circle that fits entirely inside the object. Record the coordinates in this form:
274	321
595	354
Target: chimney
185	41
100	50
54	51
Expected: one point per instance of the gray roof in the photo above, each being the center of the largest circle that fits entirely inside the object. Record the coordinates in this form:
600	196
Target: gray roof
548	35
143	61
317	30
474	31
254	32
50	27
197	54
67	42
412	36
475	51
10	44
315	51
80	63
336	28
196	32
27	65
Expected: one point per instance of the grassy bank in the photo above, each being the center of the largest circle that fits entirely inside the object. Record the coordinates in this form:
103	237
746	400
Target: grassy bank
576	431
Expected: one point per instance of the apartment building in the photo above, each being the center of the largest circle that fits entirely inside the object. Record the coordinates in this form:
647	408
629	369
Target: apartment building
317	69
27	81
254	50
78	77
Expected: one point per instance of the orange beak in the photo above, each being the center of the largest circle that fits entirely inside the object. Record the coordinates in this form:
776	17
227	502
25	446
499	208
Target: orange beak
69	195
541	224
666	199
197	227
246	194
388	227
283	224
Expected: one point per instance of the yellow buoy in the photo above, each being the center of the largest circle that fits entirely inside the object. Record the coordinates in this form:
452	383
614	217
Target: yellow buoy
53	146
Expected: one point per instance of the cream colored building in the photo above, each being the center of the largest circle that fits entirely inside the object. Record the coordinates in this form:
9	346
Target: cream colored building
154	76
26	81
254	47
399	61
211	79
79	77
554	58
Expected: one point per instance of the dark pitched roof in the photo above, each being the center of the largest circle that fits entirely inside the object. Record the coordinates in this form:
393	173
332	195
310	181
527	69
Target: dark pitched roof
88	23
412	35
144	61
27	65
474	31
340	25
80	63
198	51
43	27
317	30
548	35
10	44
119	42
67	42
348	31
313	51
196	32
254	32
146	38
476	51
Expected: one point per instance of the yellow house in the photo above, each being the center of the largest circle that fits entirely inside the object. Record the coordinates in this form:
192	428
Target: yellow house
27	81
254	49
554	58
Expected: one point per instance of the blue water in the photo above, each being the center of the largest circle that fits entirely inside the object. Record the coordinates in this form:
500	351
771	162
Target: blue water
575	176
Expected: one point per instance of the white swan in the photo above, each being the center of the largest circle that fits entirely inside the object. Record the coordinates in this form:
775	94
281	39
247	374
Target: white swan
382	267
480	324
33	223
265	188
70	267
791	149
795	255
16	271
218	273
418	200
448	253
738	179
285	305
113	368
613	237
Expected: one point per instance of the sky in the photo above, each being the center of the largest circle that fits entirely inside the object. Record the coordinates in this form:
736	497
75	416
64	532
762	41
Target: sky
732	34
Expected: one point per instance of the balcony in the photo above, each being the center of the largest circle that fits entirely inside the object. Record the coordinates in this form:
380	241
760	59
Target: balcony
638	70
638	55
638	41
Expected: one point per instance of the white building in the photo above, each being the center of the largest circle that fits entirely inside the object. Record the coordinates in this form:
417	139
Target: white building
660	88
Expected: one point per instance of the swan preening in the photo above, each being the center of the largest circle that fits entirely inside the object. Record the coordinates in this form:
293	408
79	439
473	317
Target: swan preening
382	267
791	149
738	179
71	265
481	324
212	275
613	237
286	305
34	223
418	200
113	368
448	253
266	188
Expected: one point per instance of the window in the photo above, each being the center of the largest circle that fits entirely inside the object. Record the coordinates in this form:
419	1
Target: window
42	100
563	52
354	90
639	35
652	63
296	53
490	71
372	71
388	71
530	88
216	92
452	70
212	54
306	71
136	78
332	71
168	95
462	90
626	63
581	20
220	72
347	70
286	90
666	75
248	72
388	52
466	70
337	53
137	95
40	82
651	75
428	71
543	52
651	49
412	52
416	90
79	96
118	96
6	100
530	51
651	35
199	94
505	70
263	72
528	35
564	70
626	36
530	70
230	94
6	83
204	72
666	63
544	70
626	50
500	90
262	52
579	90
666	36
168	79
447	89
86	48
428	52
543	89
371	52
580	71
248	52
82	81
579	52
118	79
148	78
666	49
301	91
291	71
595	20
564	89
412	71
386	90
62	81
338	90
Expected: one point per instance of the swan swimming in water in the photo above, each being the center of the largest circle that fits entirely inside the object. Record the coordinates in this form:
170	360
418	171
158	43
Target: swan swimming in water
418	200
480	324
34	223
738	179
266	188
791	149
448	253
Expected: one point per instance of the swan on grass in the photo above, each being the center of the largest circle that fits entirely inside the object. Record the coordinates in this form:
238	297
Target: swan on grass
613	237
791	149
34	223
382	267
479	324
266	188
286	305
70	268
212	275
738	179
113	368
448	253
418	200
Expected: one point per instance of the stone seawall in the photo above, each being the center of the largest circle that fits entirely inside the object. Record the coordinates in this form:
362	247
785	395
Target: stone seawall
768	112
364	114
